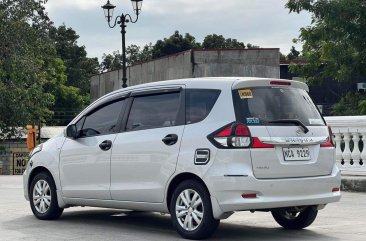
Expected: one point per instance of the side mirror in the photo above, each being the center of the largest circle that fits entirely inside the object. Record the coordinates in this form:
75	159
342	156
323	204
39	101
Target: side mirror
71	131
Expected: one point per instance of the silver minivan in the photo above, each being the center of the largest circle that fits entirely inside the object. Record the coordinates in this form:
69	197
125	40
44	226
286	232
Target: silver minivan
199	149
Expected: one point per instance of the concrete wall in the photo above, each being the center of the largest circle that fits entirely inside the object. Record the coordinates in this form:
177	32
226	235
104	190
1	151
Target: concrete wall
248	63
105	83
11	154
192	64
172	67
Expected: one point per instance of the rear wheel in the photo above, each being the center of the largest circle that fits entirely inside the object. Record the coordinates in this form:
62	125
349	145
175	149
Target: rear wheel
295	218
191	211
43	197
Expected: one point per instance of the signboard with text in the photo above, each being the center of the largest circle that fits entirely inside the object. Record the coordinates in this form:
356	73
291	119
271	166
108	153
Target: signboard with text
20	160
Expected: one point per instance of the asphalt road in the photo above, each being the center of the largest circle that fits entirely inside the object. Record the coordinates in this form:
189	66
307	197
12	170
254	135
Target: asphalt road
345	220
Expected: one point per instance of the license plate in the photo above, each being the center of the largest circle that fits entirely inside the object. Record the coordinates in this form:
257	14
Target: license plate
296	154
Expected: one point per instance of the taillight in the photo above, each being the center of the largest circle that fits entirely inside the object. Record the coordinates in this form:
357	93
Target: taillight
258	144
236	135
329	142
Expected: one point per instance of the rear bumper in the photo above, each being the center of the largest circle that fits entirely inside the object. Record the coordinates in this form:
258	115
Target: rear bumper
273	193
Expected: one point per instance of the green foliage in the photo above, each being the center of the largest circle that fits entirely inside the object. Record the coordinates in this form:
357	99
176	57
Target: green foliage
42	69
136	55
174	44
25	58
67	98
251	46
294	54
2	150
353	103
79	68
72	89
215	41
111	62
334	44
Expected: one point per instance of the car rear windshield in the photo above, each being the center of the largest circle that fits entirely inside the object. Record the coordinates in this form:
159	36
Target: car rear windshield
262	105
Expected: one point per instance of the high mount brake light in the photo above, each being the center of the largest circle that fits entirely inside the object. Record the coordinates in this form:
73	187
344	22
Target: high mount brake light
280	83
329	142
236	135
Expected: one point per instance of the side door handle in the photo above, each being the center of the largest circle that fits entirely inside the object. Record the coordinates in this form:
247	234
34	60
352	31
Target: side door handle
170	139
105	145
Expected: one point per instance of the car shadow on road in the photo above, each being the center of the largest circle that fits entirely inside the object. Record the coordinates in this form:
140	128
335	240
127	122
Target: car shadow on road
154	225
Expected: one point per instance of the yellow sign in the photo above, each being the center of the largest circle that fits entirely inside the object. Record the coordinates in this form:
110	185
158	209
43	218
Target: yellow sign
20	160
245	94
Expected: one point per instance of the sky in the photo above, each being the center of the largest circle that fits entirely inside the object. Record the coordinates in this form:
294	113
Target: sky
266	23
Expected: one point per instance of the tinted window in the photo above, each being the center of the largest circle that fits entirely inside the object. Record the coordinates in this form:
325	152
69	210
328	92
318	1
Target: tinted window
259	106
199	103
154	111
102	121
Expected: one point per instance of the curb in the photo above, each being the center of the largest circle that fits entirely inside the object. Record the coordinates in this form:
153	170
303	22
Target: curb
353	183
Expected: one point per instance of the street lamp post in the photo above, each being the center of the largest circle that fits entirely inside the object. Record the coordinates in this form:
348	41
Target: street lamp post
122	20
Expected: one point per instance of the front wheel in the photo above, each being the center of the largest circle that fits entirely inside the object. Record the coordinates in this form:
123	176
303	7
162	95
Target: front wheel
43	197
295	218
191	211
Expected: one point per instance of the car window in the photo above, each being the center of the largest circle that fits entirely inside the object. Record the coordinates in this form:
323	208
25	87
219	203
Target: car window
199	103
154	111
103	121
261	105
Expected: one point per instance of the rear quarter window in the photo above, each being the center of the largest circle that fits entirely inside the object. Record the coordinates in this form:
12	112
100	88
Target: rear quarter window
261	105
199	103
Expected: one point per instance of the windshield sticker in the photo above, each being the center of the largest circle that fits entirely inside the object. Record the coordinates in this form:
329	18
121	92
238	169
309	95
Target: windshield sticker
245	94
252	120
315	121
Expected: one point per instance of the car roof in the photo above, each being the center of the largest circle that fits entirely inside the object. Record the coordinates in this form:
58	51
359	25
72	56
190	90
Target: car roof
210	83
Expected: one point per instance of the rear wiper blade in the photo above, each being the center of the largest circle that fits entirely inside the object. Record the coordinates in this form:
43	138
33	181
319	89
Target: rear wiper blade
292	121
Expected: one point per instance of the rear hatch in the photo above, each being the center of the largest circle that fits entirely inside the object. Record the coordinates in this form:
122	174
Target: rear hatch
291	137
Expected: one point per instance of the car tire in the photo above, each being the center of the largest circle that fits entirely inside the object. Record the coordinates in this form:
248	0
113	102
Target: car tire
292	219
43	197
191	211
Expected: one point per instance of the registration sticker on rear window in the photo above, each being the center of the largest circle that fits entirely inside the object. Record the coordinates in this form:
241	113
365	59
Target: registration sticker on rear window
252	120
245	94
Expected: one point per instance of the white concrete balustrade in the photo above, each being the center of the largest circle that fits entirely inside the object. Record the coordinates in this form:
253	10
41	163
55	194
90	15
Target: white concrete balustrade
348	132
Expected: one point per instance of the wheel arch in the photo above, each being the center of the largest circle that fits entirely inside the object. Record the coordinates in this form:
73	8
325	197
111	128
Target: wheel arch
36	171
178	179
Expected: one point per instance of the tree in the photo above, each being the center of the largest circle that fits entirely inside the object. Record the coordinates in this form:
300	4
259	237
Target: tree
79	68
334	44
111	62
68	100
353	103
215	41
294	54
251	46
26	59
174	44
136	55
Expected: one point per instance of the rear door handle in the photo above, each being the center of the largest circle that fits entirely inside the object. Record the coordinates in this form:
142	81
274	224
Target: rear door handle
170	139
105	145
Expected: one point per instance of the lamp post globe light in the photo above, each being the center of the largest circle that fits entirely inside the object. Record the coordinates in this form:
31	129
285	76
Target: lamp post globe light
122	20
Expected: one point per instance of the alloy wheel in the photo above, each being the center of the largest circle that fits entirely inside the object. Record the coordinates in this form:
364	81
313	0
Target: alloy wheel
42	196
189	209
